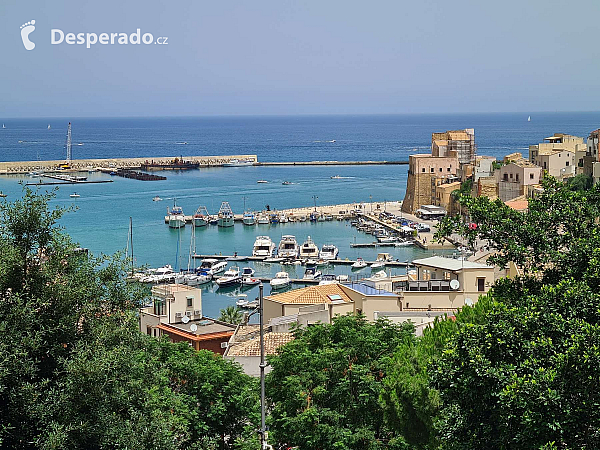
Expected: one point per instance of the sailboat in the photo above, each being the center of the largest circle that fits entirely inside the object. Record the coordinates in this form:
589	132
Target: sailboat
3	126
529	119
48	126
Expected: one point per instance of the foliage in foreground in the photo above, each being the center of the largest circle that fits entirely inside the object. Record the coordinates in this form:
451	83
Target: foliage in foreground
75	372
325	385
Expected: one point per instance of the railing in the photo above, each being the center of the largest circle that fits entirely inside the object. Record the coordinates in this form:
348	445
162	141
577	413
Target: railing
422	286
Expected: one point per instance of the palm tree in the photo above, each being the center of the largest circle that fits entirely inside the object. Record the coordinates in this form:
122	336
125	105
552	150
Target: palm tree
231	314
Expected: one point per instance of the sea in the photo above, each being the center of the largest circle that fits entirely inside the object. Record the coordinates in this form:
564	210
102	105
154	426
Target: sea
100	221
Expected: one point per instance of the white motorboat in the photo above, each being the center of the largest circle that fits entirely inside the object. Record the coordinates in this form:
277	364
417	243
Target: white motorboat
288	247
230	277
199	278
377	265
312	273
321	218
342	278
328	279
243	302
405	243
201	218
156	199
309	249
226	218
159	275
74	195
262	181
263	219
212	266
249	219
359	264
283	218
329	252
273	260
311	262
250	281
263	246
176	217
281	280
247	272
379	275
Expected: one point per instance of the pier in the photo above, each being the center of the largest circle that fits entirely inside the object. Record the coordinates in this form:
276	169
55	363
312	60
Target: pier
343	262
331	163
78	165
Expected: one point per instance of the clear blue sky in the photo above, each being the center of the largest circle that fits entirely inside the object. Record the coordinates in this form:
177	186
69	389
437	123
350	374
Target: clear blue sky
302	57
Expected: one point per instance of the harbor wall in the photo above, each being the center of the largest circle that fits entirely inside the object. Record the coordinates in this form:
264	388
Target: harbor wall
20	167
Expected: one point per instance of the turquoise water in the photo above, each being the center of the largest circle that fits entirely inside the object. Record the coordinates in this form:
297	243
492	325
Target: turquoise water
102	219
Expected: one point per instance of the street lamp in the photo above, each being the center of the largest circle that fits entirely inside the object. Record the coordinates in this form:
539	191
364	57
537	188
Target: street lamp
315	199
371	202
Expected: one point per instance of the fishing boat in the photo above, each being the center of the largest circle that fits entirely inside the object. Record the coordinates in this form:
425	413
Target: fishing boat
359	264
263	246
336	177
74	195
329	252
2	194
312	273
309	249
313	217
226	218
263	219
156	199
212	266
249	219
176	217
230	277
288	247
281	280
283	218
201	217
274	219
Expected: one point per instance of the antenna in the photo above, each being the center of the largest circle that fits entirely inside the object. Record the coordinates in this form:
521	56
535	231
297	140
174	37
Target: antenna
69	143
193	327
454	284
185	319
468	301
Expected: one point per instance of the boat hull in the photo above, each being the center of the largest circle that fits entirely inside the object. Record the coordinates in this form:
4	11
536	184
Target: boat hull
200	222
225	222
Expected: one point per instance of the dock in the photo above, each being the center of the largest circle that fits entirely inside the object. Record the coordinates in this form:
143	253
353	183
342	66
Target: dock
331	163
343	262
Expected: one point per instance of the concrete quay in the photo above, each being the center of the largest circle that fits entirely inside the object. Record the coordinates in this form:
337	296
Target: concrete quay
24	167
331	163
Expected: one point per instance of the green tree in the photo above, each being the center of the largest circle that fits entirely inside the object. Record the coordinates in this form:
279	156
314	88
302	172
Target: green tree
581	182
325	385
75	372
525	376
231	314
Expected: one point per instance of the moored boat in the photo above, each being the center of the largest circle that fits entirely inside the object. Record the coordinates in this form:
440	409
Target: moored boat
359	264
201	218
249	219
230	277
288	247
225	217
263	246
212	266
176	217
281	280
309	249
312	273
329	252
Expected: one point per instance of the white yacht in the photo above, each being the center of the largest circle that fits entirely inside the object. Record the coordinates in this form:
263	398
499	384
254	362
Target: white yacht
309	249
312	273
281	280
288	247
328	279
328	252
263	246
238	163
212	266
226	218
201	217
230	277
176	217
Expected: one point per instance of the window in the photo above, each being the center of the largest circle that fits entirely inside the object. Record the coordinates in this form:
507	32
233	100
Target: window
149	330
448	169
505	177
189	301
545	165
531	176
440	169
406	305
432	169
159	307
511	175
517	177
446	275
480	284
567	163
423	170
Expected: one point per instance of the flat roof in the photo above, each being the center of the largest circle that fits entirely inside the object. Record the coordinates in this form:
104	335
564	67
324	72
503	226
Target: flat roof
203	333
368	290
441	262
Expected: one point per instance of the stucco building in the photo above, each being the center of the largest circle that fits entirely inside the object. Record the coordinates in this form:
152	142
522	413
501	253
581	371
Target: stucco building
515	178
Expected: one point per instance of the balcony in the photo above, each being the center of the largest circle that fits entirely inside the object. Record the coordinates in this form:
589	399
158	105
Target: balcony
422	286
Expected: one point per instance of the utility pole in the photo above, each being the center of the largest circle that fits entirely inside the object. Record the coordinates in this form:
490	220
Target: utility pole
315	199
69	143
263	428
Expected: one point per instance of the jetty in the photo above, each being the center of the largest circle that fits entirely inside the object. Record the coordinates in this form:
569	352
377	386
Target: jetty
343	262
112	164
331	163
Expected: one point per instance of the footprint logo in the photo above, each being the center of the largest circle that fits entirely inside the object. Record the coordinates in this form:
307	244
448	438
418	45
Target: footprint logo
26	30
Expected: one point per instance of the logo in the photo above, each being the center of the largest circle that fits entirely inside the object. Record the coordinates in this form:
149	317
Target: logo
26	30
58	37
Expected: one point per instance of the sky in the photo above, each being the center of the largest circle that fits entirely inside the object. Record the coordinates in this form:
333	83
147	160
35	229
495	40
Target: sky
272	57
